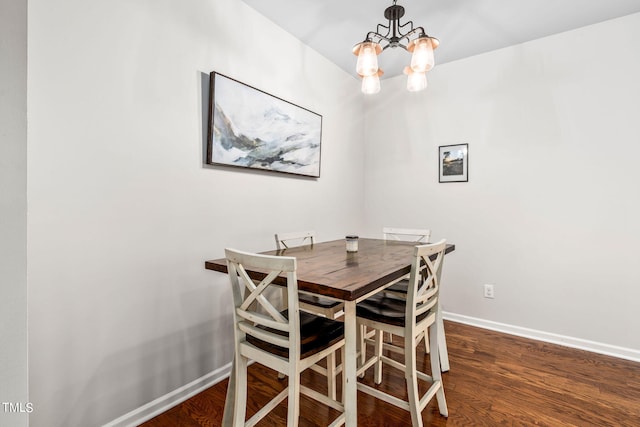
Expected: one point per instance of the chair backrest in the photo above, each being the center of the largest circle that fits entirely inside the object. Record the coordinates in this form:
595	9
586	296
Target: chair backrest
255	311
417	235
424	280
288	240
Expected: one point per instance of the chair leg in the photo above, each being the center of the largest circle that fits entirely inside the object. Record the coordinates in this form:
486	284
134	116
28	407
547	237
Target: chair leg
442	342
240	404
230	400
344	377
285	305
377	374
411	378
361	331
436	372
293	404
331	375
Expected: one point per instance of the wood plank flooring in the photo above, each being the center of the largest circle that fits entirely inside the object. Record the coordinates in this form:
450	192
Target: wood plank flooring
495	379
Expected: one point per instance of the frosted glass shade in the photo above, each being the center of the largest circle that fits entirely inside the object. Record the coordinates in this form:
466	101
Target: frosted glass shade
367	64
371	84
422	59
416	81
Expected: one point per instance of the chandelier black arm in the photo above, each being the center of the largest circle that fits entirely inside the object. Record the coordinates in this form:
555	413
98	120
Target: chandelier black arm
388	28
417	30
401	26
397	37
394	34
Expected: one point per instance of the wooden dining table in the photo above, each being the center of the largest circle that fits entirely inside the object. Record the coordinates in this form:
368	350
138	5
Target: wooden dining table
327	269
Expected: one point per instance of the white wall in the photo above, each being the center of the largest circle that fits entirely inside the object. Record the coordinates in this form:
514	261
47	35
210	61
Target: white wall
13	213
122	212
549	215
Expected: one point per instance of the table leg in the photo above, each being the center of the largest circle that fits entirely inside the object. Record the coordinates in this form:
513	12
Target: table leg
350	391
442	342
227	418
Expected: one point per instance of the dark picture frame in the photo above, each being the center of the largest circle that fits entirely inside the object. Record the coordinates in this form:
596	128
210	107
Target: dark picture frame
453	163
250	128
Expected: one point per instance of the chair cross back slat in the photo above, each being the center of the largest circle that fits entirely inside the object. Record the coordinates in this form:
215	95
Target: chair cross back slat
249	297
264	335
300	239
256	294
425	275
429	281
261	319
418	235
426	306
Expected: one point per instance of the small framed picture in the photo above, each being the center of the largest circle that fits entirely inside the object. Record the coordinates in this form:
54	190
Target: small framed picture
453	163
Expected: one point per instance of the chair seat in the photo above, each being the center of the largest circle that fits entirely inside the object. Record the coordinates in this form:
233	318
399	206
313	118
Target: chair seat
316	334
386	309
318	301
399	287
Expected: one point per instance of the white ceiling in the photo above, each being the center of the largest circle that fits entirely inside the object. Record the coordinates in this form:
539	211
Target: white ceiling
464	27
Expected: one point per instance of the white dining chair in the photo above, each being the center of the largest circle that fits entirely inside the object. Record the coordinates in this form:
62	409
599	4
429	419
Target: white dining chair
399	289
409	318
417	235
309	302
321	306
288	341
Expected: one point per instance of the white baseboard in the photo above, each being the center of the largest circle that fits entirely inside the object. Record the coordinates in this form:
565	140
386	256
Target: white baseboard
595	347
171	399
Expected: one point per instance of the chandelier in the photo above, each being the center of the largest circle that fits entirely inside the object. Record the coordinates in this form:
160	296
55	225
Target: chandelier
395	34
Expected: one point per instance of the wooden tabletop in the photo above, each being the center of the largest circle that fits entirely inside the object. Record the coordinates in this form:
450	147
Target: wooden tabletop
326	268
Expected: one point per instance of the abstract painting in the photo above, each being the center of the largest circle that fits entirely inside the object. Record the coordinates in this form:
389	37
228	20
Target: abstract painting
453	163
252	129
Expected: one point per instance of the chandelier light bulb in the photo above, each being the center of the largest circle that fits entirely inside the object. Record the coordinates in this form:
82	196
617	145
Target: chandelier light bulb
367	64
415	81
422	59
371	84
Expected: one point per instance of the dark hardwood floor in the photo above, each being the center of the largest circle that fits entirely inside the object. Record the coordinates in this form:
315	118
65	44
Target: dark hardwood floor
495	379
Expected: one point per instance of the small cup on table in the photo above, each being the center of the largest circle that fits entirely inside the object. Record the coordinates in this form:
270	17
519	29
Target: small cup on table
352	243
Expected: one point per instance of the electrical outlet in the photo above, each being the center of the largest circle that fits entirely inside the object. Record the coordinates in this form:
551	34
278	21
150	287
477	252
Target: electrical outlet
488	291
